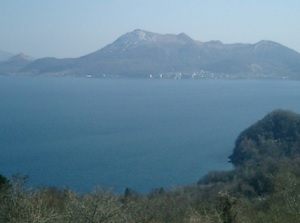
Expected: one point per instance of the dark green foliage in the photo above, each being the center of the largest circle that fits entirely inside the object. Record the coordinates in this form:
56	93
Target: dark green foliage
262	152
227	208
217	177
3	182
276	135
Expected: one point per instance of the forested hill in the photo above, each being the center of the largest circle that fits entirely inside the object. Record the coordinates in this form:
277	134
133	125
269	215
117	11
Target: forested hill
261	153
277	135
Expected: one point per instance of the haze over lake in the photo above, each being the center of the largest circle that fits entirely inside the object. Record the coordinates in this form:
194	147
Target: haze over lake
120	133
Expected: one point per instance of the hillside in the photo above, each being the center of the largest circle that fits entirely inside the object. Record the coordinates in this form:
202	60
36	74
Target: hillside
5	55
14	64
144	54
277	135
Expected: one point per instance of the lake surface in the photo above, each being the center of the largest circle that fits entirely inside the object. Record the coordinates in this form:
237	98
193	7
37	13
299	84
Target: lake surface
121	133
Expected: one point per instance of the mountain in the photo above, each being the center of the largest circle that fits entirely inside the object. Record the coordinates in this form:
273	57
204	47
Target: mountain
5	55
144	54
14	64
141	53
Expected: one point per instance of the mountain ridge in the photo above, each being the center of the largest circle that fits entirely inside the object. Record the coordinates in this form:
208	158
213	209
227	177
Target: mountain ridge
144	54
5	55
14	64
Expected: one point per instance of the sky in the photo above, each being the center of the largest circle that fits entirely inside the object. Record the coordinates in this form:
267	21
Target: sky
73	28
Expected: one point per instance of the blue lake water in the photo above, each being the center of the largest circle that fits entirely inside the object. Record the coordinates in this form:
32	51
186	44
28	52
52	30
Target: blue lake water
121	133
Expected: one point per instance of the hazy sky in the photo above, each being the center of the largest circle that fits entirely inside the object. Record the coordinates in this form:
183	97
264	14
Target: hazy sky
72	28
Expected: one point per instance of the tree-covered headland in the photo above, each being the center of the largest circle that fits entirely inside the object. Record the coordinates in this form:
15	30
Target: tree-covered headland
263	187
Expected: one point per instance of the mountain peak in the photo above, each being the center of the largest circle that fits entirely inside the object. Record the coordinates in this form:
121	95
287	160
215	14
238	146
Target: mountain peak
135	37
140	37
266	44
140	32
20	57
5	55
184	37
275	49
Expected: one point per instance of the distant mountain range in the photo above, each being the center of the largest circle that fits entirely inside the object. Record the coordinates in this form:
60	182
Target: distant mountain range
143	54
5	55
